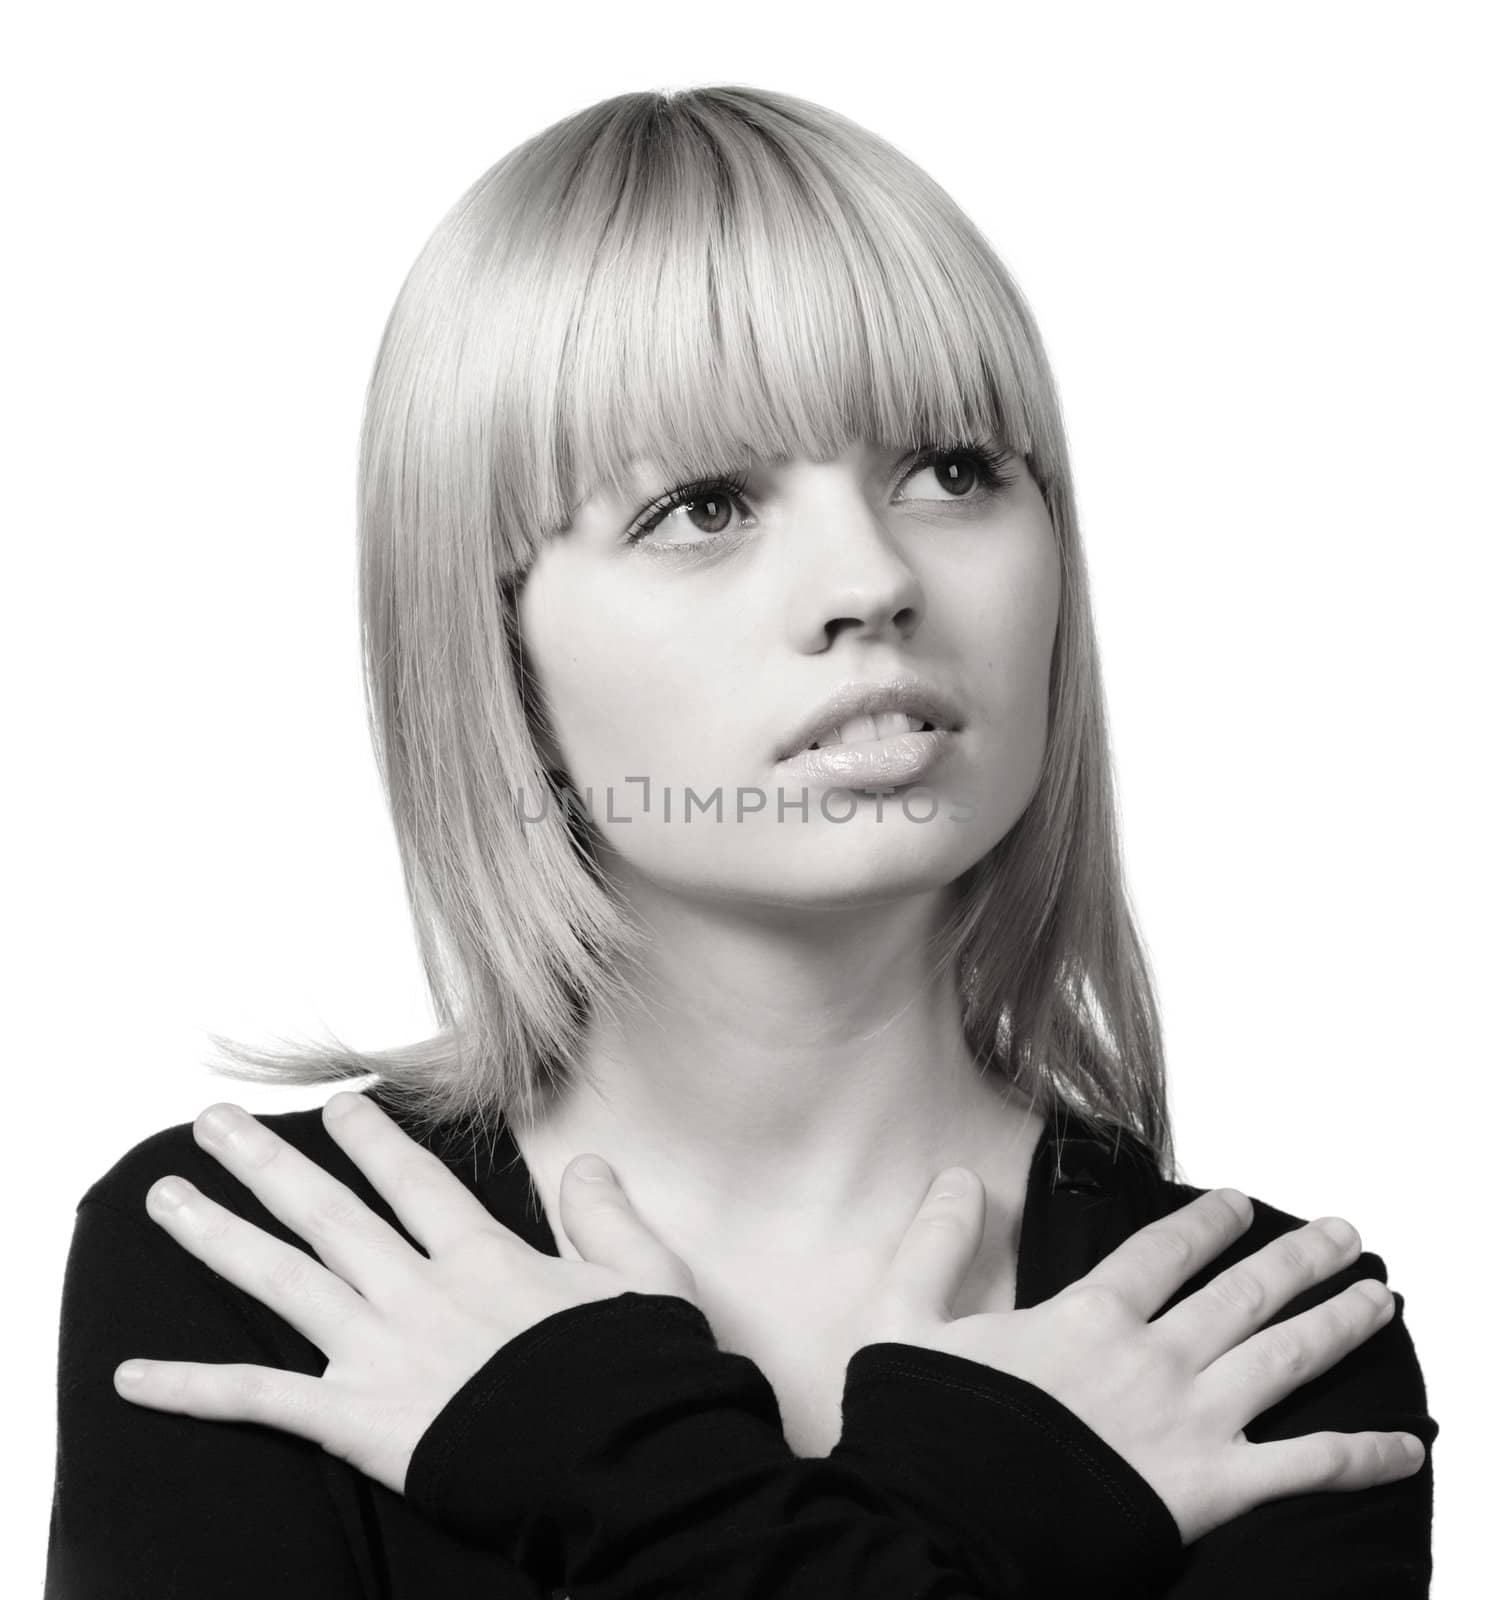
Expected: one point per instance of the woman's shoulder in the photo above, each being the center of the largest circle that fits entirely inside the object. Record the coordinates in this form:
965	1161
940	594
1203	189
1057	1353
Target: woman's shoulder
1380	1379
131	1288
174	1152
1107	1159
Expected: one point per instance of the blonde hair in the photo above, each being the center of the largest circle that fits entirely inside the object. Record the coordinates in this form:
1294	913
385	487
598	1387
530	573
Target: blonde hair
690	276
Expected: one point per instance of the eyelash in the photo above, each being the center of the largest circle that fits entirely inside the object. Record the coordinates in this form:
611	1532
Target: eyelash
990	463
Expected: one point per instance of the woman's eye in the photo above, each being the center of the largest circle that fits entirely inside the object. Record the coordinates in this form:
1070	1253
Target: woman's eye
714	510
710	515
958	473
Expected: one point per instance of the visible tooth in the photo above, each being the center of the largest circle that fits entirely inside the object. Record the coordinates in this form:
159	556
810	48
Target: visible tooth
856	729
889	723
883	725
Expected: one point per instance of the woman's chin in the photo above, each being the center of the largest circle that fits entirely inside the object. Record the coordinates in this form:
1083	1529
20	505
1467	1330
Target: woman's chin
816	867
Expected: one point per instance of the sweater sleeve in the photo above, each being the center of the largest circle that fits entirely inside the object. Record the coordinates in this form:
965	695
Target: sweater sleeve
1364	1544
1006	1472
615	1450
148	1504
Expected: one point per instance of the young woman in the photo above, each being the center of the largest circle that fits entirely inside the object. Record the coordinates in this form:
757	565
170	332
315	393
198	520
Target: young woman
734	682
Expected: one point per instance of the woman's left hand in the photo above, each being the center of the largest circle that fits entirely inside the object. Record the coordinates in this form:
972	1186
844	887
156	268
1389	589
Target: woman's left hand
402	1332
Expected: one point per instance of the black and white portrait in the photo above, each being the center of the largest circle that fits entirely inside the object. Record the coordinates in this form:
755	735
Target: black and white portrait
745	783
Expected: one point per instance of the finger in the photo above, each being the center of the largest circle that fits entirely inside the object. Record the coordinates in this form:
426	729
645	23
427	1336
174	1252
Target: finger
289	1281
225	1392
1149	1266
429	1200
1272	1363
599	1219
939	1246
1320	1461
1245	1297
352	1240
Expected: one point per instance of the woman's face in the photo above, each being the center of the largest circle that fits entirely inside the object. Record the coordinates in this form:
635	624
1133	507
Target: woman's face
680	664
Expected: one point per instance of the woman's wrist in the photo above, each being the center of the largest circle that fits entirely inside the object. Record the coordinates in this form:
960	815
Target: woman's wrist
508	1462
618	1420
1002	1470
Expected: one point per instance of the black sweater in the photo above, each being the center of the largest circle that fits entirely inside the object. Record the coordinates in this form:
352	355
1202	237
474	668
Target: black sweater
614	1452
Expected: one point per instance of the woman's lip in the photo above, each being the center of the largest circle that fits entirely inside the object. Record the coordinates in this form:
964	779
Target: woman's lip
898	759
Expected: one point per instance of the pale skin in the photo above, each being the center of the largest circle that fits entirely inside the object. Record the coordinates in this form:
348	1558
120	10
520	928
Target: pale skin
793	1077
784	1102
402	1333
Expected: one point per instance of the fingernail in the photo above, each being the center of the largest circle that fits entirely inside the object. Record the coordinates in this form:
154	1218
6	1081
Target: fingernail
220	1122
132	1372
951	1185
1339	1231
591	1169
1237	1201
168	1194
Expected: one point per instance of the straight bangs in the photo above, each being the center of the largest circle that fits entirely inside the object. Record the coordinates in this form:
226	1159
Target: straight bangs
693	280
727	283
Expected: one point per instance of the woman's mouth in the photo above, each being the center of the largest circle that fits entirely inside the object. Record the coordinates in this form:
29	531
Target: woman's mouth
867	729
886	750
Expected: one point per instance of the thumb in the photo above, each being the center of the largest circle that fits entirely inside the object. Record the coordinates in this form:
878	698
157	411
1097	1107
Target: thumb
941	1243
605	1229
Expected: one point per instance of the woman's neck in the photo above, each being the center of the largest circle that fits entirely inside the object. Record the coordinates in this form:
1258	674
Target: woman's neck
788	1085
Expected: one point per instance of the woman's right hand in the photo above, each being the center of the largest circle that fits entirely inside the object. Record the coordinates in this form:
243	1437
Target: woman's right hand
1170	1396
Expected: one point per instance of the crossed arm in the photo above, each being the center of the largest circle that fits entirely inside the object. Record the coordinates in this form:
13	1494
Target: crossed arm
614	1448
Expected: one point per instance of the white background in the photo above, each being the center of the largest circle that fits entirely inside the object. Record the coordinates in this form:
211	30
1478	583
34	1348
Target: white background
1250	234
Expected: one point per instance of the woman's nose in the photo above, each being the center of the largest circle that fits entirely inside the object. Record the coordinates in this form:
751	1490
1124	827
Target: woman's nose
845	574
